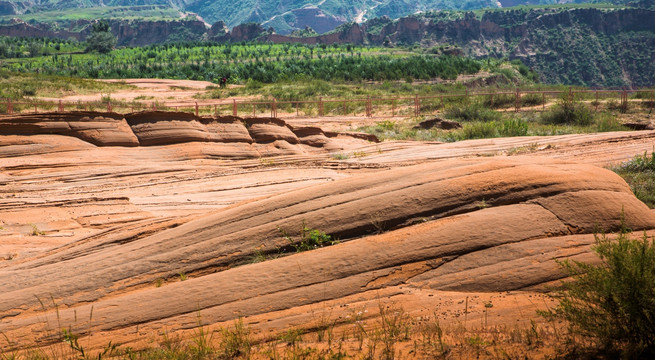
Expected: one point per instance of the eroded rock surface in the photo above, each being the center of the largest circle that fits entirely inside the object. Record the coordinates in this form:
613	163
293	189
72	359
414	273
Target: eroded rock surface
459	225
250	137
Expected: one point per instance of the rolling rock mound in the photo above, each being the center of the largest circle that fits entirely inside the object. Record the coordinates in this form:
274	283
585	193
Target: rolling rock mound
460	225
230	137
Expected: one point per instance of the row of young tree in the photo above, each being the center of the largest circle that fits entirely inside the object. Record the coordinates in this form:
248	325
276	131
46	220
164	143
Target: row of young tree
344	68
13	47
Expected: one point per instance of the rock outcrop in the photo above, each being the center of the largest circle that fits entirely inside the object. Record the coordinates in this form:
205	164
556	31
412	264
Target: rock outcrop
225	136
463	225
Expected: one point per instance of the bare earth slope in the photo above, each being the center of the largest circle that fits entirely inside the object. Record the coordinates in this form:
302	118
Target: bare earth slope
95	220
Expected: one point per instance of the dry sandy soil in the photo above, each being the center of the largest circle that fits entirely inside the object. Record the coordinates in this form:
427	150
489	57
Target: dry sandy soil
104	213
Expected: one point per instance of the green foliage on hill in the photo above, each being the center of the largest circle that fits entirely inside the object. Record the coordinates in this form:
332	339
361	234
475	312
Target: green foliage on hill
263	63
11	47
101	38
65	16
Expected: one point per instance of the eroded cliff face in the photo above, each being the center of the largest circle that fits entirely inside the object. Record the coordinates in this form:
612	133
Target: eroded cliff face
128	32
18	28
140	33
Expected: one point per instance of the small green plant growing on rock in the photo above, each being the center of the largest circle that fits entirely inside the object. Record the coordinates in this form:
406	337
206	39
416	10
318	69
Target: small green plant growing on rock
307	239
36	231
235	342
339	156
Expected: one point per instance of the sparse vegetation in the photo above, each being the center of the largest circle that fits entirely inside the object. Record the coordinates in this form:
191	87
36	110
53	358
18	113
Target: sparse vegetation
569	111
639	173
391	333
307	239
613	302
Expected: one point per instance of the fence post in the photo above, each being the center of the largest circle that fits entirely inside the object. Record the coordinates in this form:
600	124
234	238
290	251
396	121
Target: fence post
197	110
254	110
417	106
651	99
297	108
625	100
344	108
492	101
517	105
61	106
274	108
570	94
596	101
154	107
10	107
393	107
320	106
369	107
108	106
234	107
35	109
543	101
215	109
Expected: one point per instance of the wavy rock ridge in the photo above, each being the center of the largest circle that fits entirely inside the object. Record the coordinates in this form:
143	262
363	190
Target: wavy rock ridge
461	225
256	136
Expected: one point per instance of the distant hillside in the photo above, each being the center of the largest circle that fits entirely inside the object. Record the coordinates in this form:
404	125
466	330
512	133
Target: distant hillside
594	46
285	15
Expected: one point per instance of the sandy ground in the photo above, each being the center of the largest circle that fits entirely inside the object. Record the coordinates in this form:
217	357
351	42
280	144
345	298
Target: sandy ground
76	195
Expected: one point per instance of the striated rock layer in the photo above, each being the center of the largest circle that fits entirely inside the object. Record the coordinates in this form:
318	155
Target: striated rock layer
460	225
233	137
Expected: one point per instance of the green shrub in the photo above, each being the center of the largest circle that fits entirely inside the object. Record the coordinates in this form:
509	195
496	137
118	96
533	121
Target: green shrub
478	130
608	122
569	111
639	173
614	302
500	101
513	127
307	239
532	99
615	105
471	112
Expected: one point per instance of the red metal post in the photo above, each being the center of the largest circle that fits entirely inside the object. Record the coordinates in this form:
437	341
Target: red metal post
108	106
197	110
10	107
320	106
61	106
369	107
234	107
